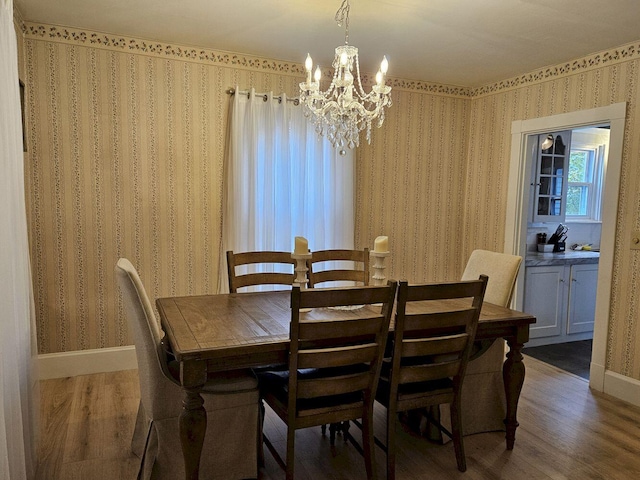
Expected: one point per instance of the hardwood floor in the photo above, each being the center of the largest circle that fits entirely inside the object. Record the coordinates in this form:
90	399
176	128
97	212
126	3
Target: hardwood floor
566	432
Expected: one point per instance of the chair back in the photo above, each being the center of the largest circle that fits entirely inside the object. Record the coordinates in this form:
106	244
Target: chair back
320	273
502	270
435	326
270	260
344	352
148	338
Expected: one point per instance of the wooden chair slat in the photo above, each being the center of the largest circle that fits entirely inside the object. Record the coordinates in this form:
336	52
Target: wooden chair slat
332	329
441	291
322	387
333	297
436	321
337	357
418	347
424	373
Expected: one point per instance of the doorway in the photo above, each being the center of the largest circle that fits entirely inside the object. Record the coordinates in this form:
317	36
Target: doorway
518	204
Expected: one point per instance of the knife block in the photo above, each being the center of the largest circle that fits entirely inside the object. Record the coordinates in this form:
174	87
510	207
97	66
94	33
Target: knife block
559	247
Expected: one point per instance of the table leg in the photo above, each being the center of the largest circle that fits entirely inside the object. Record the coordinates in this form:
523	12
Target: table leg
193	424
513	374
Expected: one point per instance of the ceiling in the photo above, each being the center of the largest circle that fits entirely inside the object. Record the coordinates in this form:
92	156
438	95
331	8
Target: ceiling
453	42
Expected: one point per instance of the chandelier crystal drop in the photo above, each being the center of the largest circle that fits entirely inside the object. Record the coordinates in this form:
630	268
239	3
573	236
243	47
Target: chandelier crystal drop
344	109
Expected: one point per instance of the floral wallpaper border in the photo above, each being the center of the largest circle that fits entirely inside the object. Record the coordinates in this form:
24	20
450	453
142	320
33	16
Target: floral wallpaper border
222	58
236	60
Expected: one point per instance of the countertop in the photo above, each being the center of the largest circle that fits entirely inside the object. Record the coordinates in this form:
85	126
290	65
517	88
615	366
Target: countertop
569	257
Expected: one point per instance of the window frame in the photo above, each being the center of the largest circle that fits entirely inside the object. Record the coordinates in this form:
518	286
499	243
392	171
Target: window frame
594	188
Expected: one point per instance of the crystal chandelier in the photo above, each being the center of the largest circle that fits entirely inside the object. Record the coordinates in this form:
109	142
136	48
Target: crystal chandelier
344	109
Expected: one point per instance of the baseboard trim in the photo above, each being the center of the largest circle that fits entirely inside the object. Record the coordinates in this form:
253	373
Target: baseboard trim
624	388
85	362
596	377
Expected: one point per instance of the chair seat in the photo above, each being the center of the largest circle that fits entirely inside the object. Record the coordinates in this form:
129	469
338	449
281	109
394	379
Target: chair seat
276	383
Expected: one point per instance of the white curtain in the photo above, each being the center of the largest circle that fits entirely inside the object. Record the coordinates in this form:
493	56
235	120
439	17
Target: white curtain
17	348
283	181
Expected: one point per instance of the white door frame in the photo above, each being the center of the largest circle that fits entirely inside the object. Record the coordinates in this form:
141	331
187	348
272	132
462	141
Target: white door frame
518	204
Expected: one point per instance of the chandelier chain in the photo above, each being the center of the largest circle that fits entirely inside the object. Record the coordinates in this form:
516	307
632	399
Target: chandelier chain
342	18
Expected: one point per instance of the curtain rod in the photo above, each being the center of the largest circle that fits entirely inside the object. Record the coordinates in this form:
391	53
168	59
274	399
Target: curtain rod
265	96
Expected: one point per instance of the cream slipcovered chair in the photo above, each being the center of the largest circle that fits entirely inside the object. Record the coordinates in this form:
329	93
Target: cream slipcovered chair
483	397
231	402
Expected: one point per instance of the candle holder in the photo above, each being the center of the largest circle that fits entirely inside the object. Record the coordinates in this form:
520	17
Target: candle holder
301	270
378	258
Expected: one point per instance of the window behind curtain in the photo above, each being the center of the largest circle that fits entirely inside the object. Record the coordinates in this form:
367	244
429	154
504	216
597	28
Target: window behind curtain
283	180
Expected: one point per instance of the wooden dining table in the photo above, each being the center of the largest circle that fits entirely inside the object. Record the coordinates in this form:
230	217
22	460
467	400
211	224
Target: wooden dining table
226	332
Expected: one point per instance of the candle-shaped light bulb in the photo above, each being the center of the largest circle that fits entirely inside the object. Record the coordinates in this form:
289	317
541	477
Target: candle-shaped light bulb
379	77
384	65
343	58
318	75
308	65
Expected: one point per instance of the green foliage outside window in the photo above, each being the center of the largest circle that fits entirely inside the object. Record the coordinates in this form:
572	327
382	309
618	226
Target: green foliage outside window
579	172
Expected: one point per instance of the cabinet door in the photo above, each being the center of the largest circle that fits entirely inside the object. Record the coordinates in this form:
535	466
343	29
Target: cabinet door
582	298
552	172
545	294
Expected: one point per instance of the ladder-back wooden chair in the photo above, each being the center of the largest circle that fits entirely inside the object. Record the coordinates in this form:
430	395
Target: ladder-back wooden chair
432	341
275	260
334	363
320	272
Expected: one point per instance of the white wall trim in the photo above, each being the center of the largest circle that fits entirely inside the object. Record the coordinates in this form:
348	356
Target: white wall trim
85	362
624	388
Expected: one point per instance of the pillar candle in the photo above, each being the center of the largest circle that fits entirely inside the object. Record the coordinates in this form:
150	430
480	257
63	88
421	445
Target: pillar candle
301	246
381	244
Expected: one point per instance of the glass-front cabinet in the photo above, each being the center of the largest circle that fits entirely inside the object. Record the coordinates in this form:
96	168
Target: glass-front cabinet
551	175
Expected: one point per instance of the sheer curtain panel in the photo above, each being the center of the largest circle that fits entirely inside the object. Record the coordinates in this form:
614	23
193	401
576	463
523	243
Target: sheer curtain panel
17	347
283	180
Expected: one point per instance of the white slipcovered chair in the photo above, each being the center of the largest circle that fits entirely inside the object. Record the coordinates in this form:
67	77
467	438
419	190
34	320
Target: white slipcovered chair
483	399
231	402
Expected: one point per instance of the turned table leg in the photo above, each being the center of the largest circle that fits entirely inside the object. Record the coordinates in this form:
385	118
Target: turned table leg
513	374
193	419
193	424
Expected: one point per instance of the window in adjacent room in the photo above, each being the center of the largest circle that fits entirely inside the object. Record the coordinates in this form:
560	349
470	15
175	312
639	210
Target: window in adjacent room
585	183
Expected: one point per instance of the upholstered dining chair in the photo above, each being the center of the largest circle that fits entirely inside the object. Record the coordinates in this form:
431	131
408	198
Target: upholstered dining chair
321	272
334	364
276	260
231	402
484	402
431	347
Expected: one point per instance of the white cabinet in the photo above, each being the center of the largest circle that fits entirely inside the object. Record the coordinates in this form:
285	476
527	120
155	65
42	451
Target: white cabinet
582	298
562	298
550	176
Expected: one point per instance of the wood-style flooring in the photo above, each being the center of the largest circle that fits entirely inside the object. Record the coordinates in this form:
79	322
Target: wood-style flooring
566	432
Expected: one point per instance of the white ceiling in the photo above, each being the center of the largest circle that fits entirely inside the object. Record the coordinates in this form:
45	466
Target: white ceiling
454	42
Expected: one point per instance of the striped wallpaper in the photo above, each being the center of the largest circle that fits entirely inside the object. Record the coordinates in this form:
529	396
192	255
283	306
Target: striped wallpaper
125	158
